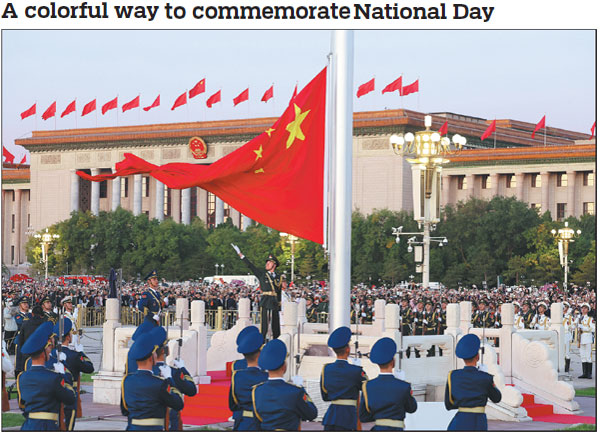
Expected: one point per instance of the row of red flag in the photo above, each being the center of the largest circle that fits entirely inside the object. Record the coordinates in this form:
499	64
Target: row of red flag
396	85
541	124
10	157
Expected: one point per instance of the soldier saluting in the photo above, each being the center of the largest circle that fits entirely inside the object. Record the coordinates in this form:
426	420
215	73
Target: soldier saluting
270	286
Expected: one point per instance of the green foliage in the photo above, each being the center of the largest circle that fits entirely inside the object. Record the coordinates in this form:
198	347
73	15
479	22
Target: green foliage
580	428
587	392
10	419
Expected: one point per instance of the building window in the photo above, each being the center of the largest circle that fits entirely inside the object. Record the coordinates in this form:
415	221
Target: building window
211	203
12	227
167	202
147	213
486	182
12	254
145	187
588	208
13	195
588	178
560	210
536	180
28	220
124	187
104	189
511	181
536	206
561	179
462	182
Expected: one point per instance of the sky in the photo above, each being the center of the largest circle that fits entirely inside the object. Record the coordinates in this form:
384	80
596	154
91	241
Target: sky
521	75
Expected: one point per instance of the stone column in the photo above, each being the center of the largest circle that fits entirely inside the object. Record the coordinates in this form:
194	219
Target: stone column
556	324
182	310
546	193
290	318
235	217
391	326
18	217
159	201
246	222
176	205
202	204
95	199
570	211
445	199
465	317
495	184
137	194
198	317
471	185
116	193
452	320
244	311
219	211
508	327
186	203
111	322
302	311
520	186
74	190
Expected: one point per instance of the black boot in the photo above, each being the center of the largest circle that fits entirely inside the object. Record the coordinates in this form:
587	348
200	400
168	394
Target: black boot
584	368
567	365
589	372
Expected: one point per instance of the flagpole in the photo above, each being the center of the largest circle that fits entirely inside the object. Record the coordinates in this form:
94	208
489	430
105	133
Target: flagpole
495	134
96	111
75	111
117	110
418	98
139	109
35	119
343	60
544	129
328	170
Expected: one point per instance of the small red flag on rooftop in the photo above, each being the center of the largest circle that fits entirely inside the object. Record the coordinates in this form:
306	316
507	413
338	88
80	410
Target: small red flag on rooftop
410	89
70	108
153	105
593	130
267	95
488	132
198	89
50	111
132	104
443	129
541	124
242	97
180	101
214	98
28	112
112	104
365	88
89	107
10	158
396	85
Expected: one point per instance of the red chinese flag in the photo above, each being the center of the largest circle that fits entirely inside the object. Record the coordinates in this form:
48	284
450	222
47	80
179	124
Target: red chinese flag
593	130
488	132
365	88
275	179
112	104
132	104
214	98
267	95
541	124
50	111
153	105
23	160
28	112
443	129
241	98
8	156
70	108
410	89
89	107
198	89
180	101
396	85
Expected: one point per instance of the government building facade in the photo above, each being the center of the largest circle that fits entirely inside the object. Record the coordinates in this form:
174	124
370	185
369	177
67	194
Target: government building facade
555	173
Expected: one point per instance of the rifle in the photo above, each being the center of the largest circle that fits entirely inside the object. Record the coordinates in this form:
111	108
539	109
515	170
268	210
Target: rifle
61	331
180	341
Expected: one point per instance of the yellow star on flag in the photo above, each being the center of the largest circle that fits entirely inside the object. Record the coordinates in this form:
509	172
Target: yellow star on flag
258	153
259	171
294	126
269	131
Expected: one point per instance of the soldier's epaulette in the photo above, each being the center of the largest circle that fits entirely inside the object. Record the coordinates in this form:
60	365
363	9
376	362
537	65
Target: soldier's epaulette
291	383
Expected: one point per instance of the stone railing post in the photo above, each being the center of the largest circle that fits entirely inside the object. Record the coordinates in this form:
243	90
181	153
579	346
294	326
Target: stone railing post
219	322
465	317
379	317
198	319
556	324
244	313
290	318
182	311
391	325
302	311
108	334
508	327
452	320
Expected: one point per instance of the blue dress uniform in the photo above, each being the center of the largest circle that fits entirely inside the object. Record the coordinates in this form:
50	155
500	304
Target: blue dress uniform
385	399
242	382
150	303
180	377
468	390
340	384
277	404
41	390
145	326
240	364
144	396
21	317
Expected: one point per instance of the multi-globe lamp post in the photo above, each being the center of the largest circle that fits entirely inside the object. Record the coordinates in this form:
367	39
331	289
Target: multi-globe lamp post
427	150
46	239
564	236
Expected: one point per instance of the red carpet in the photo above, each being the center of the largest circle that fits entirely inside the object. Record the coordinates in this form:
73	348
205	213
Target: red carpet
541	412
211	403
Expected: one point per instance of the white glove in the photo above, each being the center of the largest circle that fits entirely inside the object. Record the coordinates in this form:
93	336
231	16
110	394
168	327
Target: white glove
79	347
237	250
62	356
364	314
59	368
355	361
156	317
165	371
399	374
178	363
483	368
297	380
425	322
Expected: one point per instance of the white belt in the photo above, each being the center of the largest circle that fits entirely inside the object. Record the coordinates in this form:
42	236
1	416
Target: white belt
148	421
389	422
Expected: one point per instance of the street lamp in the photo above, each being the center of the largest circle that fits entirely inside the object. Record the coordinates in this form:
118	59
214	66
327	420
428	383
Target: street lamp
429	149
217	269
45	240
222	269
564	236
292	241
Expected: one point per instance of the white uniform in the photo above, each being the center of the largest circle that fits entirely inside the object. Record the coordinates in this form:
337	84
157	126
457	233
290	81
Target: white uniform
73	318
519	324
569	325
541	321
586	327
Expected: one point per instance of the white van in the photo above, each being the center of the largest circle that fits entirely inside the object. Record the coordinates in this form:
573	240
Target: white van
249	280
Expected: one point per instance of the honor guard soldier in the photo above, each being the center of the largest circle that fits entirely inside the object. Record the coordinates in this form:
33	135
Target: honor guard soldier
243	380
586	327
311	311
340	384
151	302
270	297
131	364
519	324
406	320
71	314
277	404
468	389
243	363
569	325
144	396
385	399
21	317
442	317
177	375
47	307
27	329
430	324
540	320
528	315
23	314
76	362
41	390
482	318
